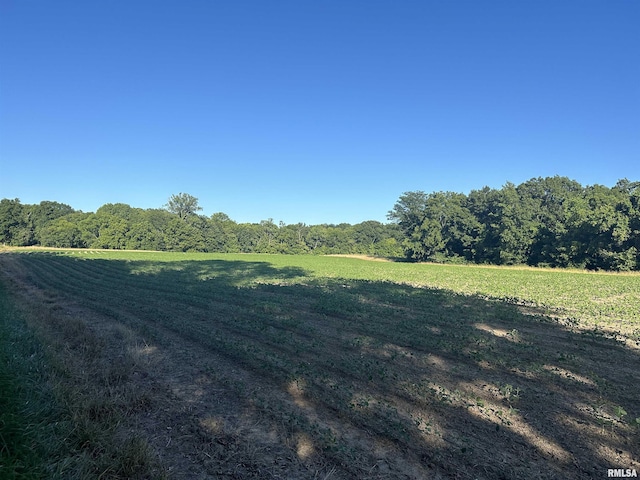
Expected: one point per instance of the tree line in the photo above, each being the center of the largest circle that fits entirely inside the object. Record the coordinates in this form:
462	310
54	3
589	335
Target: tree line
179	227
552	221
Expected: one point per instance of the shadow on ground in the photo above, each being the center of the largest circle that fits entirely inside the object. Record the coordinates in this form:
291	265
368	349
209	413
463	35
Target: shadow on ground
264	372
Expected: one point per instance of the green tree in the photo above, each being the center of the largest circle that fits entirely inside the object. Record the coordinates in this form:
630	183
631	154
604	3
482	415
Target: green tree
316	237
143	236
338	239
426	242
410	214
62	233
368	235
459	227
183	205
409	211
120	210
290	239
221	234
518	227
267	237
437	226
157	217
601	230
549	198
12	221
484	205
632	191
390	245
181	236
389	248
248	235
43	214
111	232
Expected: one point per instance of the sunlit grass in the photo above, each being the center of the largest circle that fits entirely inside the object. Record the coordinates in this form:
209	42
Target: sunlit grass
429	360
601	298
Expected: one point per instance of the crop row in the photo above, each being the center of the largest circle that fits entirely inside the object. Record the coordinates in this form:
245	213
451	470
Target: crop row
381	358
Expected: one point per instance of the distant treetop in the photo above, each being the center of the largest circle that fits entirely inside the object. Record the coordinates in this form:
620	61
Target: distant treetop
183	205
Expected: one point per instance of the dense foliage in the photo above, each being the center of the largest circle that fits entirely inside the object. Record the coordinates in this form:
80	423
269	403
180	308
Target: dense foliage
551	221
179	228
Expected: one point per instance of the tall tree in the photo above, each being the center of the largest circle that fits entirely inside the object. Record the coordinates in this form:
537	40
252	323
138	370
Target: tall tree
11	220
248	235
112	231
143	236
600	229
61	233
316	237
182	236
121	210
221	235
43	214
632	191
484	205
550	197
409	211
460	229
291	238
268	231
437	225
518	226
183	205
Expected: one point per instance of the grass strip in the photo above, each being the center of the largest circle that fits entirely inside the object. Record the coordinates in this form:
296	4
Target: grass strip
56	420
27	433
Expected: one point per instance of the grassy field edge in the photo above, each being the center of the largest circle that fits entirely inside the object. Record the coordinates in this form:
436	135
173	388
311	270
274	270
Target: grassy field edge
55	422
26	408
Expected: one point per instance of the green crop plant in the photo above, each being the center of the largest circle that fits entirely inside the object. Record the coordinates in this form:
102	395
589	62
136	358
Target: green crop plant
348	354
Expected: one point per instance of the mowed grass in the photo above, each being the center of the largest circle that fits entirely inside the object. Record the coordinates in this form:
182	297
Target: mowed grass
332	367
24	410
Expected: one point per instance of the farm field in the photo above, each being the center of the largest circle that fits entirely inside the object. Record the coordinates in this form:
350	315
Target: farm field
167	365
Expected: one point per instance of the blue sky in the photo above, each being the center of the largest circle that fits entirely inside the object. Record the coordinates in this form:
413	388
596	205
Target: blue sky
312	111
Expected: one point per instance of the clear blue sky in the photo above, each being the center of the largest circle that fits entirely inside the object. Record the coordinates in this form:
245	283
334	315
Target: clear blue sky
320	111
